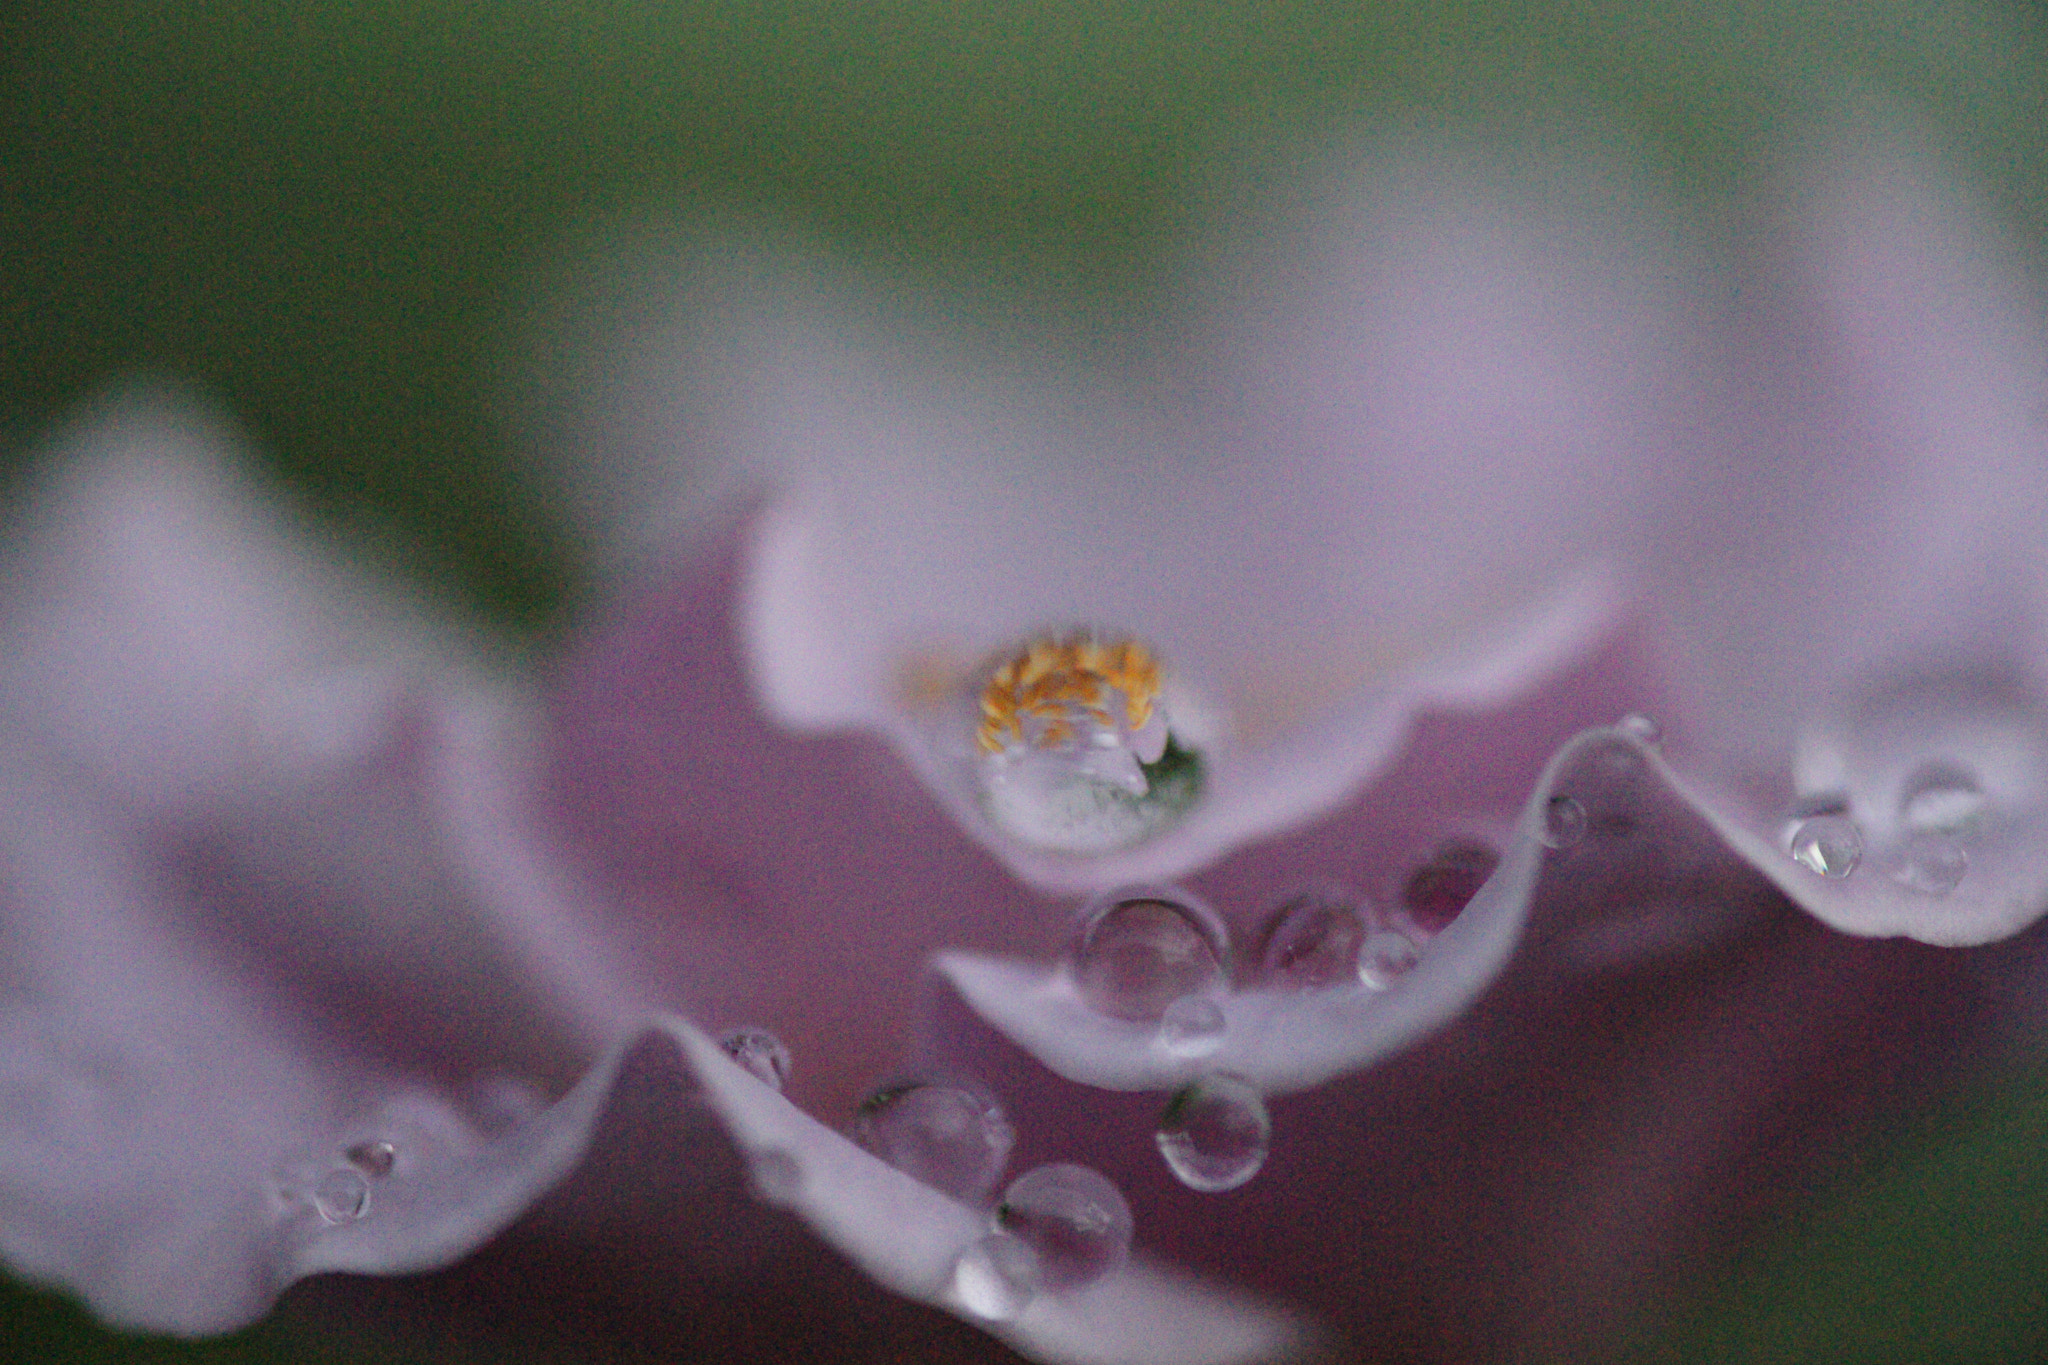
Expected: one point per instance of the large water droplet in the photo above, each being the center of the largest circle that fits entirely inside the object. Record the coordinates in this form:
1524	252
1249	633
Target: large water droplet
374	1158
996	1278
1932	864
1441	888
1641	726
1215	1133
1387	957
1192	1026
1828	844
1139	951
1564	822
1941	796
1311	941
1076	1222
342	1196
950	1134
760	1052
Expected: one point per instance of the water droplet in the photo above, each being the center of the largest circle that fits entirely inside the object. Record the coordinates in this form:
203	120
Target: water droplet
342	1196
950	1134
760	1052
1437	891
1076	1222
1074	747
1941	797
1139	950
1828	844
1641	727
1192	1026
1932	864
1387	957
1215	1133
997	1277
1311	941
1564	822
373	1158
774	1175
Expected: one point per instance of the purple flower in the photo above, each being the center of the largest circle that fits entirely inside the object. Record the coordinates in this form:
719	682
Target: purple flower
1324	617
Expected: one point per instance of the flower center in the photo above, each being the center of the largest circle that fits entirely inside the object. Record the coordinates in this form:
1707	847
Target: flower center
1064	694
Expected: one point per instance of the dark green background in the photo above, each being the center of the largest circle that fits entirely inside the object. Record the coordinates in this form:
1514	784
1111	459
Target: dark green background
332	217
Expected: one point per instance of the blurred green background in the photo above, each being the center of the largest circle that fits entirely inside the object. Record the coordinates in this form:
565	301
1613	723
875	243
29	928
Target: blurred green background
331	217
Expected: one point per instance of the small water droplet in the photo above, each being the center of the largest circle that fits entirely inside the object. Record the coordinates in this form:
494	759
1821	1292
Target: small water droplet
373	1158
760	1052
1387	957
950	1134
997	1277
1311	940
1564	822
1941	796
1215	1133
1641	727
1076	1222
1192	1026
1441	888
342	1196
1932	864
1138	951
774	1175
1828	844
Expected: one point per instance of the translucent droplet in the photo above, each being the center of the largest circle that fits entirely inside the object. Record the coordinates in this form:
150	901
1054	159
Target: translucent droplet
997	1277
1387	957
1828	844
1437	891
1564	822
1215	1133
1073	1219
373	1158
1941	797
1932	864
1192	1026
1139	950
760	1052
950	1134
1311	941
1075	749
774	1175
342	1196
1641	726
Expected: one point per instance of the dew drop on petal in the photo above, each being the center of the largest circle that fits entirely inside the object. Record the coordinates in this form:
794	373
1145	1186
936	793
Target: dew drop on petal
1932	864
1138	952
950	1134
342	1196
997	1277
1830	845
1311	941
1075	1222
1640	726
1387	957
1941	797
1215	1133
1192	1026
1564	822
1436	892
760	1052
374	1158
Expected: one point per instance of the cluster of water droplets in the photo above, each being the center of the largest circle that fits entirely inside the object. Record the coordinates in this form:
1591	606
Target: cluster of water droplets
1941	804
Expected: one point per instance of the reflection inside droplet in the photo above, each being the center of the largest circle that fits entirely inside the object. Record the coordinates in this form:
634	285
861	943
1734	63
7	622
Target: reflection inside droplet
996	1278
1073	1219
1137	953
1437	891
1192	1026
1386	957
950	1134
1215	1133
1941	796
1830	845
1311	941
1932	864
342	1196
1564	822
373	1158
760	1052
